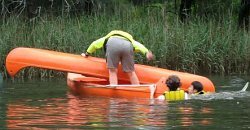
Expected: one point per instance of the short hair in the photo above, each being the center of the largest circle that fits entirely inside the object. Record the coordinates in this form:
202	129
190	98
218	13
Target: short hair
173	82
197	86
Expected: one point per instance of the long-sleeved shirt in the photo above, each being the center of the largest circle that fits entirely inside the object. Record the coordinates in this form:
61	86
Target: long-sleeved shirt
100	43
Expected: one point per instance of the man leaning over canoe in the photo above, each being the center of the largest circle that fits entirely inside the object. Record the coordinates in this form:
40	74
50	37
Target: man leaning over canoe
119	46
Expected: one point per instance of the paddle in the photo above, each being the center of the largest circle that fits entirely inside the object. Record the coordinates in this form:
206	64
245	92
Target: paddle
245	87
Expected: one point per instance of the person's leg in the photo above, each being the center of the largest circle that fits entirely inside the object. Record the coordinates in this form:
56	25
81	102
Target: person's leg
133	78
113	80
127	60
113	51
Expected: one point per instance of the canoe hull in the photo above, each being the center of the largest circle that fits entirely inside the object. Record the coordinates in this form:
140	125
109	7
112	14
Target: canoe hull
21	57
100	89
121	92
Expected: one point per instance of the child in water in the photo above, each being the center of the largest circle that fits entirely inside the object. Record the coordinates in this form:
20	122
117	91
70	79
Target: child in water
173	83
195	88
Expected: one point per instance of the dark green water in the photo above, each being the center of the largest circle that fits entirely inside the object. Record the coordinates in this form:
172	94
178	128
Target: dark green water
49	105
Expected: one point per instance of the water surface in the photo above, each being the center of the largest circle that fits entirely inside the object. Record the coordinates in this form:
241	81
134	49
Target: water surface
49	104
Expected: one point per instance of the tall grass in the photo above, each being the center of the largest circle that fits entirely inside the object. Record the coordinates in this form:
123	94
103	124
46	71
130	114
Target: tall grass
200	46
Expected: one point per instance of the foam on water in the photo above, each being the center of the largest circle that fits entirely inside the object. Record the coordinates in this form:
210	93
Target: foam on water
223	95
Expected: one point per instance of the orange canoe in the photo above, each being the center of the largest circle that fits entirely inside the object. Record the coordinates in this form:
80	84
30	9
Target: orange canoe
89	86
20	58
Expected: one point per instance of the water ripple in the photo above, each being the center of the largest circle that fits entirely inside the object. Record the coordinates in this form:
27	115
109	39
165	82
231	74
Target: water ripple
24	108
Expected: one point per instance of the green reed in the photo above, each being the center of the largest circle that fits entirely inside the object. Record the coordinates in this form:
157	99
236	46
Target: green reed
213	45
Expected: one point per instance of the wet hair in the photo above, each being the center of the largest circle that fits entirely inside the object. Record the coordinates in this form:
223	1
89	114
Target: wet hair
173	82
197	86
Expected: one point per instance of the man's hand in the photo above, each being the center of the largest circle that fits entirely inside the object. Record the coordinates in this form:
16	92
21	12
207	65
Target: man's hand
150	55
85	55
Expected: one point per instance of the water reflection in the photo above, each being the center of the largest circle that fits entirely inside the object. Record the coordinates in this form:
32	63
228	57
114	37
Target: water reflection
92	112
231	83
50	106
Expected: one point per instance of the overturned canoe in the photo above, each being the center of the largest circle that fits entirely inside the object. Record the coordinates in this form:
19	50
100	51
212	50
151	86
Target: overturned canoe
20	58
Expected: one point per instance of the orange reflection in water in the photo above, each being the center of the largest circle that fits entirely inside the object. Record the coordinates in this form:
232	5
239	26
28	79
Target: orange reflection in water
54	113
188	118
75	112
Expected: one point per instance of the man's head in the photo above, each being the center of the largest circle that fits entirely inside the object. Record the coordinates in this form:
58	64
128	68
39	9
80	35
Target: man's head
173	82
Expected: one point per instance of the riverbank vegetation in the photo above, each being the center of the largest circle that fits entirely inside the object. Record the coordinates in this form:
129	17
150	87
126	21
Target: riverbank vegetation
211	44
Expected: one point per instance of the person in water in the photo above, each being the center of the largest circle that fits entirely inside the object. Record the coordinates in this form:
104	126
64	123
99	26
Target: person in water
173	83
196	88
119	46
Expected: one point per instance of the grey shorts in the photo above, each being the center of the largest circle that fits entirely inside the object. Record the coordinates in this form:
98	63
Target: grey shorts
119	49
